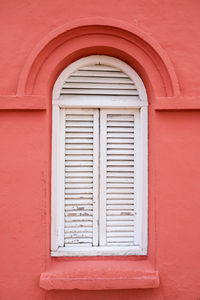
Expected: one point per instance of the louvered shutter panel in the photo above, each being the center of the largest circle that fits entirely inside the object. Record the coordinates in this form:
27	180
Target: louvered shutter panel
99	80
118	150
81	177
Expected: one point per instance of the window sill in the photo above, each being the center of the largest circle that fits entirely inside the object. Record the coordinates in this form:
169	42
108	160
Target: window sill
99	275
99	251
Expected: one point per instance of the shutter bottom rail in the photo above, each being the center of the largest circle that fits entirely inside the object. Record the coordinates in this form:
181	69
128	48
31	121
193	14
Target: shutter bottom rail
100	275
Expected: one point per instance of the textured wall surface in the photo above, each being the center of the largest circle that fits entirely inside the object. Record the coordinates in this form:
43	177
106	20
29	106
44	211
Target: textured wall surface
25	156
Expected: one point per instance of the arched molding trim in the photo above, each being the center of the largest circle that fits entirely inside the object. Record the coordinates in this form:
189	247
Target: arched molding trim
123	34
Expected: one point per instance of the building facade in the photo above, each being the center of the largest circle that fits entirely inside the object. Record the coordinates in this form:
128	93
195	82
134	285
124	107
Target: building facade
115	215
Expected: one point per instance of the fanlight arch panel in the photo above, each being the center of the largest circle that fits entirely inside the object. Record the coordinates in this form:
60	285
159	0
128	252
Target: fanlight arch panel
96	76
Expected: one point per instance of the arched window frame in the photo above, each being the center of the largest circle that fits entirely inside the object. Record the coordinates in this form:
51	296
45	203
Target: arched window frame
57	224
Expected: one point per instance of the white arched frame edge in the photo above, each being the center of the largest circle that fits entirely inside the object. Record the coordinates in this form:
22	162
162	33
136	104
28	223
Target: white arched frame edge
57	233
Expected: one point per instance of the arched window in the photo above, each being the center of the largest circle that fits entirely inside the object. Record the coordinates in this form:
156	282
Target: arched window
99	160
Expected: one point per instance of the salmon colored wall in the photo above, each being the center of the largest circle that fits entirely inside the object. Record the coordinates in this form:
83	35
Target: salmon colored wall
161	41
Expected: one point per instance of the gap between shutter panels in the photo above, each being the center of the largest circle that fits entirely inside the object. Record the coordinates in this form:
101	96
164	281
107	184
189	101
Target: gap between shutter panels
79	182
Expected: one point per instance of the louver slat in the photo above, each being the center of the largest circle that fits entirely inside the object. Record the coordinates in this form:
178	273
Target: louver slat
110	86
99	80
104	80
81	186
117	178
93	91
100	73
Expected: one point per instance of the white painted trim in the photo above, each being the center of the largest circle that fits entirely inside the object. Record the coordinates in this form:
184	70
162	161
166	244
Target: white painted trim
57	207
61	175
144	181
99	102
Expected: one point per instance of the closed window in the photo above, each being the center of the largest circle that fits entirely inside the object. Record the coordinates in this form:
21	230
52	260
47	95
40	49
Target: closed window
99	160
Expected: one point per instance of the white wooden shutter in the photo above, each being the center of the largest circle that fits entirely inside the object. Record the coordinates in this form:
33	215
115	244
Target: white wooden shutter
81	177
117	200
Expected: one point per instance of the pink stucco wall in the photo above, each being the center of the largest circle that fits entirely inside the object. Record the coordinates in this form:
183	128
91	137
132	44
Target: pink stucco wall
36	43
